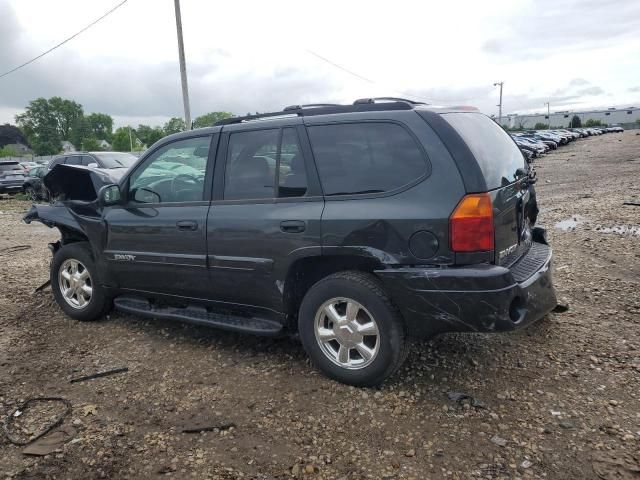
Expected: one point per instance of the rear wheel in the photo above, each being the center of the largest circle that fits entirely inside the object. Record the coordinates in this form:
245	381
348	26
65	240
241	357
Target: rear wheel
75	283
351	330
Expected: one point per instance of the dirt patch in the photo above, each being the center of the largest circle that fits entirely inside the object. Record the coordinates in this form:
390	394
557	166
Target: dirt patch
561	399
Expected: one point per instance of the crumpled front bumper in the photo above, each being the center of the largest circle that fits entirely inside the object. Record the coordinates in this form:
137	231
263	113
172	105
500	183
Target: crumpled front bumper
479	298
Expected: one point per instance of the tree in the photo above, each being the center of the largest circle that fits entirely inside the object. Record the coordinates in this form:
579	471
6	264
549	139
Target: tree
575	122
91	144
149	135
593	123
11	134
121	140
638	121
540	126
100	126
47	122
8	151
174	125
210	118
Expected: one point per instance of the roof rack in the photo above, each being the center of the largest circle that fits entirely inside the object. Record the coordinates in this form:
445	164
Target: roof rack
309	110
309	105
361	101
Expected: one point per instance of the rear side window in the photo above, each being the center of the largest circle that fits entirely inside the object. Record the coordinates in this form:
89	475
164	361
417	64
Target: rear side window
7	167
497	155
56	161
74	160
368	157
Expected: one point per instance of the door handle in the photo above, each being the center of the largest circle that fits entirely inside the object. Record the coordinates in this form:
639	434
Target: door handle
187	225
292	226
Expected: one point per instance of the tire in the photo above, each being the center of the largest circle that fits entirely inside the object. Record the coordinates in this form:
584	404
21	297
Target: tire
387	348
83	304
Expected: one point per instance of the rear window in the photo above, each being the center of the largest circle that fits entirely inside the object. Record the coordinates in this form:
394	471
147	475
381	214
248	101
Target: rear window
371	157
7	167
498	156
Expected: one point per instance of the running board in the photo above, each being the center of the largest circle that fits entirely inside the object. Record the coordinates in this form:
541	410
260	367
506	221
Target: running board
198	316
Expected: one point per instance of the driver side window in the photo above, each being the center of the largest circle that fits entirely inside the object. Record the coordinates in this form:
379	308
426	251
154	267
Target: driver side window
174	173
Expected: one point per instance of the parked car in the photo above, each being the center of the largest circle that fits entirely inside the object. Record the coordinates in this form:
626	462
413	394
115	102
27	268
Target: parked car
356	226
11	176
27	166
33	186
116	162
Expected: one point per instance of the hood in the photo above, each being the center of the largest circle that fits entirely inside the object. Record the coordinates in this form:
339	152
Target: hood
77	182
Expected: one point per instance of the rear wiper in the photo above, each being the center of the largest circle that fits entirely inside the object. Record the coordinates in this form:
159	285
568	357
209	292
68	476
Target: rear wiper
355	193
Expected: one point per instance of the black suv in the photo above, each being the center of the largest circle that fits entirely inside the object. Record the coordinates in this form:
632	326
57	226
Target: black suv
357	226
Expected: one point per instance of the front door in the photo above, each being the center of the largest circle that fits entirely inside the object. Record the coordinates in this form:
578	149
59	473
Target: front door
156	240
265	214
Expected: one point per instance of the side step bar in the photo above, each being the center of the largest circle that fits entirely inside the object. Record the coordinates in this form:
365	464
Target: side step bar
198	316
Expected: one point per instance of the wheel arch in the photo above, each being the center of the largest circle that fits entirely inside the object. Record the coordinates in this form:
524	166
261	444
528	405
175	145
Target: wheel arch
305	272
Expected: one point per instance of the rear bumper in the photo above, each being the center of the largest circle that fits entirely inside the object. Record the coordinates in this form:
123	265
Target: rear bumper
481	298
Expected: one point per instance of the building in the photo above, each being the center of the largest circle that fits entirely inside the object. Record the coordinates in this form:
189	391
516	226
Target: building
104	145
611	116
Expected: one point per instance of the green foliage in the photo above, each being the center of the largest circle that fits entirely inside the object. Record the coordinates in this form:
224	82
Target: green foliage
638	121
174	125
149	135
47	122
575	122
540	126
210	118
121	140
12	134
100	126
8	151
593	123
91	144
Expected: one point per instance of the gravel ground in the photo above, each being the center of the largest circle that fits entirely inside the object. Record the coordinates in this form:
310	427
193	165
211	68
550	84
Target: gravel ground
561	398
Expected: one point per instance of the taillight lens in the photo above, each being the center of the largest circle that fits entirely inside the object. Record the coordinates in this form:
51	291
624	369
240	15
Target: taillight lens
471	224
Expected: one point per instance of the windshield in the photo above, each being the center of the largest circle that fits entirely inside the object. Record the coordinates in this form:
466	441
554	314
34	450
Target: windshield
117	160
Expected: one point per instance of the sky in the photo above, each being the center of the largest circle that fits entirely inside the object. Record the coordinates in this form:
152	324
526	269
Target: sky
251	55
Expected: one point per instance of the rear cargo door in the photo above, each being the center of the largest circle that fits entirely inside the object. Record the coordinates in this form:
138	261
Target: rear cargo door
505	174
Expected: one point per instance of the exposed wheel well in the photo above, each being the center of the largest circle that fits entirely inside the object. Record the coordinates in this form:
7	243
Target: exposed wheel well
69	235
305	272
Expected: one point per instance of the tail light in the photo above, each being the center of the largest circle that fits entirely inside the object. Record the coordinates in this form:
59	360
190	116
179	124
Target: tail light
471	224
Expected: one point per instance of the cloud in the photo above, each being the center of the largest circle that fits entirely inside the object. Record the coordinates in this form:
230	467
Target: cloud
591	91
128	68
576	82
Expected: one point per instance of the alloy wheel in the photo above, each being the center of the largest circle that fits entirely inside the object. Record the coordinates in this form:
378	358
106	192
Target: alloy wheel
347	333
75	283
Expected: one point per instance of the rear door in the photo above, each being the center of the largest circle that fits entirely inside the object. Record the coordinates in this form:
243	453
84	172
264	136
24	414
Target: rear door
504	170
265	214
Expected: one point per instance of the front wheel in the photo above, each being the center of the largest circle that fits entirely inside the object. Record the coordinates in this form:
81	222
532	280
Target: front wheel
351	330
75	285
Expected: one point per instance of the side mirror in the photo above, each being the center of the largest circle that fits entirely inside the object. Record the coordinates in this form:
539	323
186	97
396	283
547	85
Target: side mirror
109	195
93	165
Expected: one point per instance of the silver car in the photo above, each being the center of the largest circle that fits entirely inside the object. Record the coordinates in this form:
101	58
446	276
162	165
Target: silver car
11	177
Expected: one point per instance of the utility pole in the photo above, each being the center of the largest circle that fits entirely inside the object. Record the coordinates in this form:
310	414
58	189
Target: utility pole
183	67
548	116
500	104
130	140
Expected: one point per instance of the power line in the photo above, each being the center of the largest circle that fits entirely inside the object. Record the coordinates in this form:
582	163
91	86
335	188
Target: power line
361	77
64	41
